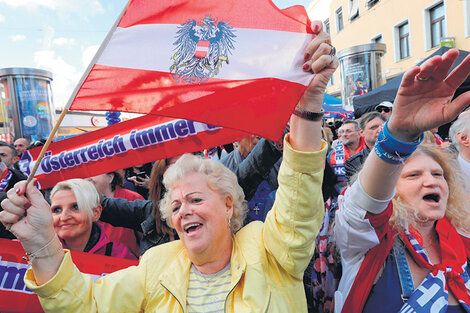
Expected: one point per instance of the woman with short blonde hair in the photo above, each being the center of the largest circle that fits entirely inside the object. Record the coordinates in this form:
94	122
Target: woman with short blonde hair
76	208
219	178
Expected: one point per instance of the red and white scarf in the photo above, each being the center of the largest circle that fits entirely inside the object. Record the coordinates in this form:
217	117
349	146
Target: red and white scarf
339	156
5	180
432	294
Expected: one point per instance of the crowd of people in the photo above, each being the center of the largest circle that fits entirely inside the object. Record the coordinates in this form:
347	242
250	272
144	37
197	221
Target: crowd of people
366	215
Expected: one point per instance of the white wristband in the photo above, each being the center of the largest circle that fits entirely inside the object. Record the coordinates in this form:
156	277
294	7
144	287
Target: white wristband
51	248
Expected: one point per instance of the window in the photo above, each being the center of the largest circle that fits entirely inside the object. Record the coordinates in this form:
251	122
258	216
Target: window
339	20
404	40
326	23
437	22
353	9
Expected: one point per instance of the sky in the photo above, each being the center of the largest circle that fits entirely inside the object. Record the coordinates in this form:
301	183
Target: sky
61	36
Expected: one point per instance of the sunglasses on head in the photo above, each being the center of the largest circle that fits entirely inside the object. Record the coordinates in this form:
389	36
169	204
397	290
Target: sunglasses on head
383	109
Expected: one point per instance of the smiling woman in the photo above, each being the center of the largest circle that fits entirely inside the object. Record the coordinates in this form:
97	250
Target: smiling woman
218	265
75	207
205	208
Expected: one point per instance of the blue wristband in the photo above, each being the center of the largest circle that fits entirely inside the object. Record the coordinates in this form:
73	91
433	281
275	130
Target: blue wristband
389	157
392	150
388	145
393	145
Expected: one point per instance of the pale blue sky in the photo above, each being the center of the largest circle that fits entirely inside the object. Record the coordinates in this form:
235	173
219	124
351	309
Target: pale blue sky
61	36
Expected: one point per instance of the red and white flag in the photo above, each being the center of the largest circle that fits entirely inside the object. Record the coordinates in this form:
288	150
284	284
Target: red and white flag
231	63
137	141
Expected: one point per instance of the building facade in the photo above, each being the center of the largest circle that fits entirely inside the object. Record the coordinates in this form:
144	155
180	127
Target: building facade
411	29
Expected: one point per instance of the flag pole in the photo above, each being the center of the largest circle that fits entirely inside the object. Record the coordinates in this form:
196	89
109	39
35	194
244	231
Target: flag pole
74	93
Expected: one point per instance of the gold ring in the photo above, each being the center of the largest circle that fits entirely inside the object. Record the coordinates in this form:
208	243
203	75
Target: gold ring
421	78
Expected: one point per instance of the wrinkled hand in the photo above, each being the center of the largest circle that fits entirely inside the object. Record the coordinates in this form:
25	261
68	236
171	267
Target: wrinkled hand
320	58
28	216
424	98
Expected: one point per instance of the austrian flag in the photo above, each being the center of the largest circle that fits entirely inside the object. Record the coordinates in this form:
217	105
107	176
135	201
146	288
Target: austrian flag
231	63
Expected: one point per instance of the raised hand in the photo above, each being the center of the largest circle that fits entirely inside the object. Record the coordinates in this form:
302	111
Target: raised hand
320	58
424	98
28	216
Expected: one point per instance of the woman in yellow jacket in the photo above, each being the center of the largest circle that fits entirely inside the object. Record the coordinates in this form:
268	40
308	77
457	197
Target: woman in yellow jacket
215	266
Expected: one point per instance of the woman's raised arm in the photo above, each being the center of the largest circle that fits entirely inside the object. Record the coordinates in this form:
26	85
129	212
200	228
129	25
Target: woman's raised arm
320	58
423	102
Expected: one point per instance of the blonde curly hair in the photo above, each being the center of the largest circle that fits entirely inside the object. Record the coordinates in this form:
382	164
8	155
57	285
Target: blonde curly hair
458	209
219	178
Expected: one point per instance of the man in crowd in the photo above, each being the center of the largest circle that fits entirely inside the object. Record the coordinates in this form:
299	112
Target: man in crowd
385	108
8	154
351	143
20	145
8	177
370	126
238	155
459	133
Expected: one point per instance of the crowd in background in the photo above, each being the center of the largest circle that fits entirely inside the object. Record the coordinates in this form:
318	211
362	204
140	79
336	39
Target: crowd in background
122	228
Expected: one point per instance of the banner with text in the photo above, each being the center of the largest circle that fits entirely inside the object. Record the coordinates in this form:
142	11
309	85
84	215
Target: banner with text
133	142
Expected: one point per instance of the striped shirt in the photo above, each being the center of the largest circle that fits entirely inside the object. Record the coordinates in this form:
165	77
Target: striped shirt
207	292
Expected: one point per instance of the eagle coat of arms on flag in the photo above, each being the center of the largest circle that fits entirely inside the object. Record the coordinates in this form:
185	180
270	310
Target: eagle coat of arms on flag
201	49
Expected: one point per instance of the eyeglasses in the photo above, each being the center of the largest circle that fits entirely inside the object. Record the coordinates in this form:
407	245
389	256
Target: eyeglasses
383	109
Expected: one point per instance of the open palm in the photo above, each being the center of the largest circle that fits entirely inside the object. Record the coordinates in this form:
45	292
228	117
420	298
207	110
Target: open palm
424	98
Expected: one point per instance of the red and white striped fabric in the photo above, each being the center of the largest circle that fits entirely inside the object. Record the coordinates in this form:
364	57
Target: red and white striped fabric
243	57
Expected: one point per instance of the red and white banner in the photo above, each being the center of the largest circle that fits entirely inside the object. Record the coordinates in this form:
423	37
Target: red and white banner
132	142
16	297
231	63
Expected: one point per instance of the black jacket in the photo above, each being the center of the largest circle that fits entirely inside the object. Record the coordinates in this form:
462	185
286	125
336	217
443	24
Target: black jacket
137	215
16	177
354	164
